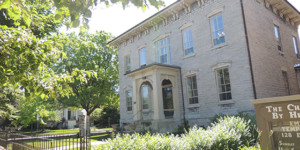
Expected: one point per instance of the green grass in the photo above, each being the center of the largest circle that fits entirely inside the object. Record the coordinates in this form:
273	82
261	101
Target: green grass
50	132
64	131
64	141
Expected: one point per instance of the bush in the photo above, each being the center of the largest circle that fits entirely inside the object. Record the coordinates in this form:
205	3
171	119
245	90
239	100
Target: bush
108	115
250	119
227	133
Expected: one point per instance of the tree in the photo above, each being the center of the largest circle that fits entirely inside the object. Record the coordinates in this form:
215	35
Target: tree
73	12
10	97
98	85
28	110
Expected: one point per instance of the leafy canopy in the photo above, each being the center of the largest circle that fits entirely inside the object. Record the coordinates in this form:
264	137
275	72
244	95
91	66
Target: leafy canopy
73	12
89	54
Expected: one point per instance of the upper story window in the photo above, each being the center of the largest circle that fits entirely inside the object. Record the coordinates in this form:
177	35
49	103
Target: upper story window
223	82
142	56
188	41
163	51
127	63
129	100
217	28
296	47
277	36
192	89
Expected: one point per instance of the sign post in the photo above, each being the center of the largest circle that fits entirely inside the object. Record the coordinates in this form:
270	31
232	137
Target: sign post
278	119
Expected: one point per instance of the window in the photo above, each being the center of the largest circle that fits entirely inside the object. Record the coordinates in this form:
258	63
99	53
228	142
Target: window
188	41
224	84
127	63
145	96
286	82
142	57
296	47
163	51
277	36
192	89
129	100
168	98
217	28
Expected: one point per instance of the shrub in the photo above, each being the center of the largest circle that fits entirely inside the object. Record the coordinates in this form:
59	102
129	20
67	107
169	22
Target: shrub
250	119
227	133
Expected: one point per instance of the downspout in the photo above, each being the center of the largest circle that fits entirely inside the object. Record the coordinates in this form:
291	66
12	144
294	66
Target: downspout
182	96
248	49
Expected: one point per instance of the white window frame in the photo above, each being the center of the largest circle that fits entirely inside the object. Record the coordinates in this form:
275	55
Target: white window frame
163	49
187	90
296	48
127	63
219	31
143	58
219	90
187	40
127	101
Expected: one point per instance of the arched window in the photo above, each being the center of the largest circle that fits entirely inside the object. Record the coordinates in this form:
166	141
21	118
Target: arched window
146	94
168	98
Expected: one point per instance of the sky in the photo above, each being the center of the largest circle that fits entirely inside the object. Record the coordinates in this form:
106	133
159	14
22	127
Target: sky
117	20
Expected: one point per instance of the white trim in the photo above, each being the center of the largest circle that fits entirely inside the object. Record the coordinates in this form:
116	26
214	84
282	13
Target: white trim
161	37
190	73
221	65
215	12
186	25
142	46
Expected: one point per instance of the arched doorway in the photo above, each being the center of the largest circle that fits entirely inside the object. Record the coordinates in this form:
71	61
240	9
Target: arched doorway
168	98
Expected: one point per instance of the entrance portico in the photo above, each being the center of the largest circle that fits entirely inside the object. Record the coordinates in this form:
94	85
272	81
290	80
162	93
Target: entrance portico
156	96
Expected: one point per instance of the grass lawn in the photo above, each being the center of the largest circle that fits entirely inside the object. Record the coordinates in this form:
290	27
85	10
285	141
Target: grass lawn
65	131
63	141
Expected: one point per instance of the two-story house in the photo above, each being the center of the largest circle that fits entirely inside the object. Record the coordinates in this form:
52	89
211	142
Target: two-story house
198	58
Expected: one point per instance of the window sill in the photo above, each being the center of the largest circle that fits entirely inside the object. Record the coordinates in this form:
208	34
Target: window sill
219	46
226	102
281	53
129	112
188	56
146	111
193	105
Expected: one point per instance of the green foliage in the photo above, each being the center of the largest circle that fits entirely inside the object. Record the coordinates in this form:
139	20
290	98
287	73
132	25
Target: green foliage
9	96
91	70
109	114
251	119
73	13
28	110
229	133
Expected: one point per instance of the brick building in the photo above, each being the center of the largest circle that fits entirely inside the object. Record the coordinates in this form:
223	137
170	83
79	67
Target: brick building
198	58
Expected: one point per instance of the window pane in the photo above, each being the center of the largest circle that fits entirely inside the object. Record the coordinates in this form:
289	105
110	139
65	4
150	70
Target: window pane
276	30
296	47
188	41
143	56
127	63
129	101
145	96
218	29
192	90
224	84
